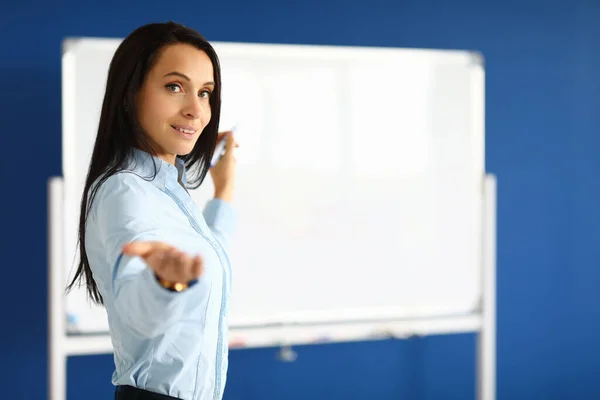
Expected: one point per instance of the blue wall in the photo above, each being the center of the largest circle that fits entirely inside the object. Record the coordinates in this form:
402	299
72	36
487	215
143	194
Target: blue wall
543	142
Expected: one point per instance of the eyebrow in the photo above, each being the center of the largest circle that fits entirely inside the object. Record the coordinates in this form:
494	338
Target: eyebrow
179	74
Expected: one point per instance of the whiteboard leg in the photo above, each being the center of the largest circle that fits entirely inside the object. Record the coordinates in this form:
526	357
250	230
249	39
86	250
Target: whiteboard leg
57	362
486	340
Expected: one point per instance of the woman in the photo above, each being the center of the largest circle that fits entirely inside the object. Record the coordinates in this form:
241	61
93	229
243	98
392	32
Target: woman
148	253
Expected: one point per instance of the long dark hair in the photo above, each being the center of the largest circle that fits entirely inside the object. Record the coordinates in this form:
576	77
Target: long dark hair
119	131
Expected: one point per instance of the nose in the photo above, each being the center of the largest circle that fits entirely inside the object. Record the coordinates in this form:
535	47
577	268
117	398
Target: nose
193	108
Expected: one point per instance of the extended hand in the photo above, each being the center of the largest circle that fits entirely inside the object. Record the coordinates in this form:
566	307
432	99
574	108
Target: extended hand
167	262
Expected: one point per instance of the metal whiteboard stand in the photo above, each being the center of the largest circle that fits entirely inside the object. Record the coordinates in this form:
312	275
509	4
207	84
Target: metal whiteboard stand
486	339
482	321
57	355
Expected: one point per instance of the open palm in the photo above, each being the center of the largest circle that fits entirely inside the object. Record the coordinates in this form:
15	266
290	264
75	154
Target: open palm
167	262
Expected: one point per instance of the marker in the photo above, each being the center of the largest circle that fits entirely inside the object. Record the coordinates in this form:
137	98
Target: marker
220	149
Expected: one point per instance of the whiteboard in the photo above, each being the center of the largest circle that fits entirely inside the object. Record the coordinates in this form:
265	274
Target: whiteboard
359	185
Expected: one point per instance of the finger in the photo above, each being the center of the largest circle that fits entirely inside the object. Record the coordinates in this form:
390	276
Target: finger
222	134
194	267
176	262
157	261
142	248
166	265
197	267
183	266
229	145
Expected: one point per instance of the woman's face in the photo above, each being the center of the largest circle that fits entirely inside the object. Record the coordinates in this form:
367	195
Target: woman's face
173	103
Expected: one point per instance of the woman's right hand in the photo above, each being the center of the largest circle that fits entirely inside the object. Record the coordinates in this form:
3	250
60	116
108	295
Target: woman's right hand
223	173
167	262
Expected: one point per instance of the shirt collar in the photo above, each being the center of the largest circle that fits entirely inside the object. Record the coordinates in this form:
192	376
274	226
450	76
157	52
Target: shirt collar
148	165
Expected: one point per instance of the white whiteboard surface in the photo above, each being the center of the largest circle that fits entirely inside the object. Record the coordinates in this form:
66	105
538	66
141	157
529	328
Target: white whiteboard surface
360	175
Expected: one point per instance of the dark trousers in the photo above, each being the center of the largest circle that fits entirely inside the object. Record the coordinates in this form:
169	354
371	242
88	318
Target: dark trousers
132	393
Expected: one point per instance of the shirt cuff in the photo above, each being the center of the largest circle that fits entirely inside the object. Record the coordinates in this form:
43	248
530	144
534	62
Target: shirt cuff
220	215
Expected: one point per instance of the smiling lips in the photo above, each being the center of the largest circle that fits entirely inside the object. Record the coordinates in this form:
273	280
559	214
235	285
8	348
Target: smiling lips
186	131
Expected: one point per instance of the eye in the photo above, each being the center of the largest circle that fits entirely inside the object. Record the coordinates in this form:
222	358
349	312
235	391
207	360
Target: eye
205	94
173	87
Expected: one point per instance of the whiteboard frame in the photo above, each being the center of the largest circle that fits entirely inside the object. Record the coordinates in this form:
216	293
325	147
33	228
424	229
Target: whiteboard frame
481	320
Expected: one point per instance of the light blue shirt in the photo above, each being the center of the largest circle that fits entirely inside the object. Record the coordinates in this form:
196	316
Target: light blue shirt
166	342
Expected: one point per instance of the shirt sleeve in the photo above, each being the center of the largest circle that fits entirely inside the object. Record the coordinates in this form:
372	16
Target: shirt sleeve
221	219
123	213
